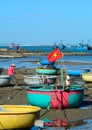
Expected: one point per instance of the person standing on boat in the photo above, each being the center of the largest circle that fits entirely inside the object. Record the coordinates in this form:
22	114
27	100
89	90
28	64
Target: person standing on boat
67	82
11	73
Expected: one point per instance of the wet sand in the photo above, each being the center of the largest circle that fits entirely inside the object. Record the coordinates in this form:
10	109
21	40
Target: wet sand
11	95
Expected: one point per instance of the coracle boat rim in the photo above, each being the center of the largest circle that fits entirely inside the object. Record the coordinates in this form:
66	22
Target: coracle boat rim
4	76
46	69
39	76
20	109
52	87
87	74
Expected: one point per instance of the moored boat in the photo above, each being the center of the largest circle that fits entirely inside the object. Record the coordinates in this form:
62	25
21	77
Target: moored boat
46	62
76	72
55	96
80	47
87	77
4	80
47	71
18	116
39	79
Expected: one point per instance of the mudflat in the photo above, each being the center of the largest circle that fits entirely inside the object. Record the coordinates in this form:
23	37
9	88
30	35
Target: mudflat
11	95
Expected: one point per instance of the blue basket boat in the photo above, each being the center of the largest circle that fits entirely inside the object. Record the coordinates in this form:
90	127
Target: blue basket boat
76	72
46	62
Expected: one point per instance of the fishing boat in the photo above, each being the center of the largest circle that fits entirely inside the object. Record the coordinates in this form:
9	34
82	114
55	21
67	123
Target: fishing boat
55	96
87	77
80	47
77	72
39	79
4	80
18	116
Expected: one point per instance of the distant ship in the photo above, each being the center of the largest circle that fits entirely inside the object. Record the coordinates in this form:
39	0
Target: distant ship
81	47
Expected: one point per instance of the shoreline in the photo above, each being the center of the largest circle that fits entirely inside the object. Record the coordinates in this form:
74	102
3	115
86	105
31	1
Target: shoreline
24	53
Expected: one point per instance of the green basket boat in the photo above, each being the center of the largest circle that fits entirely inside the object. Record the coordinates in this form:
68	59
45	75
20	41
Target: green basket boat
46	71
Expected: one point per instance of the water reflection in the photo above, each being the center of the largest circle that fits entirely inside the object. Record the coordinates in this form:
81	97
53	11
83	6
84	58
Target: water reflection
74	125
82	124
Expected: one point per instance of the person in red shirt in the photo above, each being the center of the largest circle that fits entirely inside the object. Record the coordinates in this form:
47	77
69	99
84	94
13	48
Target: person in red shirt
11	73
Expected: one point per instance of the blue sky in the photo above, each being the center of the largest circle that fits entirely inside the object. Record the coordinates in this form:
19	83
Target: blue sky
34	22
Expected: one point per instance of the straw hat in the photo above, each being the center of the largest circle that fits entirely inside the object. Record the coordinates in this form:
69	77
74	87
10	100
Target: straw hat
13	65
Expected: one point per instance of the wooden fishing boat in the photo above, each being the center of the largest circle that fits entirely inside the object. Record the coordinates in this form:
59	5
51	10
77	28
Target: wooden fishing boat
4	80
87	77
39	79
47	71
17	116
56	97
76	72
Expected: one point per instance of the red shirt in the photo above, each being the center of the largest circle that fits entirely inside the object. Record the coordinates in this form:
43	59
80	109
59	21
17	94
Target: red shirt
11	70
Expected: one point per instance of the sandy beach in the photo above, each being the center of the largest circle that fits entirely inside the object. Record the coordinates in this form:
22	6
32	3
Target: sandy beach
11	95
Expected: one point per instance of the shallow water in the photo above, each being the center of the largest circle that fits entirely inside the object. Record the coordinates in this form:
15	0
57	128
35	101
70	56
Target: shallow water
81	125
31	61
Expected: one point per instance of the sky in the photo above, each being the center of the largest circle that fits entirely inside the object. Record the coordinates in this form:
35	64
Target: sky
45	22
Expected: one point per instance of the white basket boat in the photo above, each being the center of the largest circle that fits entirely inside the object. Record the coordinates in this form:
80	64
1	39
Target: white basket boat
4	80
39	79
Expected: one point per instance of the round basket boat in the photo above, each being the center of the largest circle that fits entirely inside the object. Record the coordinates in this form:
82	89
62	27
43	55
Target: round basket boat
77	72
16	117
87	77
55	97
4	80
46	62
39	79
46	71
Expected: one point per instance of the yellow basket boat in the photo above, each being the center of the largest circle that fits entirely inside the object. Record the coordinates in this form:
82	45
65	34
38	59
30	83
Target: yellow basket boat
87	77
18	116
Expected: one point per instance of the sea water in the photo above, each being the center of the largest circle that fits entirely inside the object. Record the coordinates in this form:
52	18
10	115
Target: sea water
31	48
32	62
43	48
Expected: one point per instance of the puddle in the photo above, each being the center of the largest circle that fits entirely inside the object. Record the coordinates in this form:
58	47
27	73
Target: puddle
81	125
84	125
86	104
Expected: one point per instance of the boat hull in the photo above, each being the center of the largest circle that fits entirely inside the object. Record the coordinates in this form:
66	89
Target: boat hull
39	79
16	117
46	71
46	62
55	98
87	77
76	72
4	80
74	48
